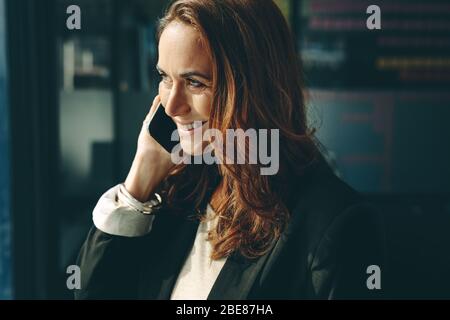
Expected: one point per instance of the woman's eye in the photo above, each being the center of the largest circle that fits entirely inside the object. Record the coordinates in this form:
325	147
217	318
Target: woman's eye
164	77
195	83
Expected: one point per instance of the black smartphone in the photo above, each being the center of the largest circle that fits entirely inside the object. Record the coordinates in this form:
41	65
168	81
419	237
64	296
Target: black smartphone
161	127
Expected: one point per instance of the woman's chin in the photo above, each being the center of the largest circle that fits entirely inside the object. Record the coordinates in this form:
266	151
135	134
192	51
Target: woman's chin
192	149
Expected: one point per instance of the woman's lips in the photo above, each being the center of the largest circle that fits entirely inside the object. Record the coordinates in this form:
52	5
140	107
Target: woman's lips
191	128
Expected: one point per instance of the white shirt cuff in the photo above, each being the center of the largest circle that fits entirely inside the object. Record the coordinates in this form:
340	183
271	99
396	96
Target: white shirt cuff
111	216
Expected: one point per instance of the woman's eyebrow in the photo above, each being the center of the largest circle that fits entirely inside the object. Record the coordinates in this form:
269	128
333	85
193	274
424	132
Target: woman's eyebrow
189	73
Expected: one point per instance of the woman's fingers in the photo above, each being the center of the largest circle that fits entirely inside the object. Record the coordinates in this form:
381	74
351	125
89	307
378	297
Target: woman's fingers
153	108
155	105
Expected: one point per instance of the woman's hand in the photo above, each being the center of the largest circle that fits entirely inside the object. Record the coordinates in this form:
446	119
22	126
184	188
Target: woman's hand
151	163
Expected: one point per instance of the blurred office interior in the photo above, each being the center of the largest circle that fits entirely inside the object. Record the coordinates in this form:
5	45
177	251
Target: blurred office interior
72	104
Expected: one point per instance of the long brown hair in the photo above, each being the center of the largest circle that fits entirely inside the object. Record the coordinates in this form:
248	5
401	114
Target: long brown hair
257	84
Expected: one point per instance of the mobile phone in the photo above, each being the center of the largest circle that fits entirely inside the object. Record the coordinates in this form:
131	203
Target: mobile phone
161	127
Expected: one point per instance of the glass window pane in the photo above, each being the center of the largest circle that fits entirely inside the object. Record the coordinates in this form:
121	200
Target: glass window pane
5	224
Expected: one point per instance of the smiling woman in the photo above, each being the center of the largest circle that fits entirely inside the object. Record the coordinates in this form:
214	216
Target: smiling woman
224	230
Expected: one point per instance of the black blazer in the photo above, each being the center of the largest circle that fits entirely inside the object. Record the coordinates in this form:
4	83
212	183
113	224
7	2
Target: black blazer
324	253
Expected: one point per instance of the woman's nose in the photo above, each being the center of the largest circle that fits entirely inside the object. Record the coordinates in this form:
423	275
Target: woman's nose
177	104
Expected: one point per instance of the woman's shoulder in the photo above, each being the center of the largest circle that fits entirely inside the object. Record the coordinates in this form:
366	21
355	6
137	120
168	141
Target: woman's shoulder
320	187
325	203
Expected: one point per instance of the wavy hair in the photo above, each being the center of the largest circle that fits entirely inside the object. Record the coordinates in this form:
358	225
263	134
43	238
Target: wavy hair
257	83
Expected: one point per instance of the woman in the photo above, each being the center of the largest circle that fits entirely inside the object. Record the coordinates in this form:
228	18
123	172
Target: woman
225	230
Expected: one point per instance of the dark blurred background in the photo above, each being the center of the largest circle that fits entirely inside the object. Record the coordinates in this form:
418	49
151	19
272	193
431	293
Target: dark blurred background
72	104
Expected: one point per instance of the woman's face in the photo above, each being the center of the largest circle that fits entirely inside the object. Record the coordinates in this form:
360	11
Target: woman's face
186	82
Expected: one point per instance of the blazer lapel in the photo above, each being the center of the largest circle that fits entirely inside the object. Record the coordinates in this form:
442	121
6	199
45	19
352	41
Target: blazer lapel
234	281
174	258
236	278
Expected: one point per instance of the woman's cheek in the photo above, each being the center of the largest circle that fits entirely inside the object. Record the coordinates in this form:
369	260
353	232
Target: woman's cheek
204	105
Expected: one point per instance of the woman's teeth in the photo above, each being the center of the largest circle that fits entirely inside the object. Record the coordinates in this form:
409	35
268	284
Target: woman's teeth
193	125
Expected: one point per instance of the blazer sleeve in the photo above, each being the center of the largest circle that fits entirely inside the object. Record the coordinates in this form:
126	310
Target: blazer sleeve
109	266
110	257
349	262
